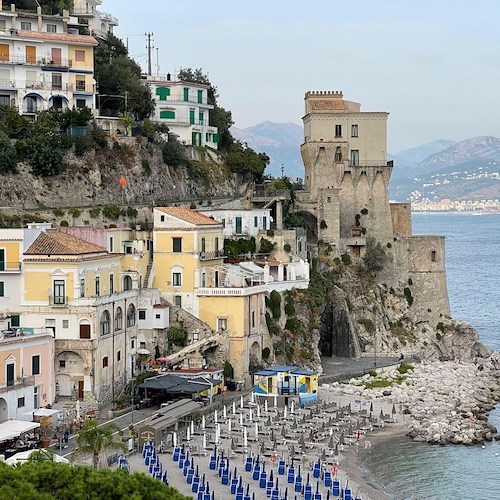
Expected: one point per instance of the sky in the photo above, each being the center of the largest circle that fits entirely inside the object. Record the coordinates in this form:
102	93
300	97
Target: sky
433	65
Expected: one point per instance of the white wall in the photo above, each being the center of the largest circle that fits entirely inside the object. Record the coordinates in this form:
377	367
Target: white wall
247	221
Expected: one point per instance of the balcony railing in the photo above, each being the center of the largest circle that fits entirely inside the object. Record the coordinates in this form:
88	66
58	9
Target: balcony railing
38	61
8	267
7	84
107	17
216	254
58	300
51	86
18	383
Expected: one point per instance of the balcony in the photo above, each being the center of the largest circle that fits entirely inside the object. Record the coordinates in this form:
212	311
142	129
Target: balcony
18	383
7	84
190	99
104	16
216	254
58	301
47	62
10	267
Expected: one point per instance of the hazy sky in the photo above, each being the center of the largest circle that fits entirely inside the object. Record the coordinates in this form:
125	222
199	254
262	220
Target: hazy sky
433	64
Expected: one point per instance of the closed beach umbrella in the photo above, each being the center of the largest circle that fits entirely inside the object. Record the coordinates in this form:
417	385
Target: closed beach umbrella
371	406
394	409
381	413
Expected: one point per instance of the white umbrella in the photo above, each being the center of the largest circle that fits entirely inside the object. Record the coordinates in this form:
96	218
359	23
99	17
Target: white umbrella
224	411
265	406
174	439
188	434
23	456
203	422
241	402
78	409
251	415
241	419
229	425
286	412
293	406
258	411
215	416
192	426
275	401
252	397
204	440
217	434
256	429
234	407
245	438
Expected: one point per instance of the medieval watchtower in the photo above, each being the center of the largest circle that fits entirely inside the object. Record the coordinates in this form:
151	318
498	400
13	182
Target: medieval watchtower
346	171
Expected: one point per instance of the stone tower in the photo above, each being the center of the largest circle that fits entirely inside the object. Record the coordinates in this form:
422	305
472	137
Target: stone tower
346	171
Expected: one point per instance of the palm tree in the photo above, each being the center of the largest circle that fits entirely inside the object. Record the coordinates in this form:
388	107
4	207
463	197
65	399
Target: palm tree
94	440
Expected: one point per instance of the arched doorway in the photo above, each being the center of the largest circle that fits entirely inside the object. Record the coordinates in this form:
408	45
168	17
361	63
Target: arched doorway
4	410
255	351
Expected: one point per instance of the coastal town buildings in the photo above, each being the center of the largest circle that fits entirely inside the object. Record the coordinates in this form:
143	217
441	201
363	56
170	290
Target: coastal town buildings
237	223
184	108
98	23
44	63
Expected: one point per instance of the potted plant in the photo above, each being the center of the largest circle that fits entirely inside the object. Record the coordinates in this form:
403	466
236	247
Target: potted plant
45	428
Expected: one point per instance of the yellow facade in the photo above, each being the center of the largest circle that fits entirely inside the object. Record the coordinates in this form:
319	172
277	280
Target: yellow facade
11	254
39	277
88	62
15	352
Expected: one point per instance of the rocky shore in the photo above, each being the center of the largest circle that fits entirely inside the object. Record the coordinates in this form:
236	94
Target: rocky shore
442	402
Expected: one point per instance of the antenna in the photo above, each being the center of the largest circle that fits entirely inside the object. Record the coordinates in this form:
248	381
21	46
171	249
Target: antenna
157	63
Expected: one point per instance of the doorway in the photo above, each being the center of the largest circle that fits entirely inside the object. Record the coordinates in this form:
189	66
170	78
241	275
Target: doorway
80	389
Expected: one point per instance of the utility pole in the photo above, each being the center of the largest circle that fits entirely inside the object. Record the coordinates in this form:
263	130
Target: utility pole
149	47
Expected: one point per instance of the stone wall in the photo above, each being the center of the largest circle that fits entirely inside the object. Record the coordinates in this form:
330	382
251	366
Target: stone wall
401	219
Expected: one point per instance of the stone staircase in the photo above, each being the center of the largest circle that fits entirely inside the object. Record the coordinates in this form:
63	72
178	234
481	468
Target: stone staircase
149	276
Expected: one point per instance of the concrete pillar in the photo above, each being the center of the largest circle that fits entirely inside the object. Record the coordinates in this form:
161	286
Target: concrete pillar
266	274
292	276
280	272
279	215
196	278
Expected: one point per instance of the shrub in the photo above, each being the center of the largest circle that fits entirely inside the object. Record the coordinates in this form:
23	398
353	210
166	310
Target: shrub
94	212
266	352
177	335
111	212
64	223
407	294
440	326
346	259
357	220
192	206
132	212
8	155
98	137
389	245
272	326
266	246
270	233
146	167
45	157
82	145
410	283
364	211
289	306
197	172
274	304
174	153
287	248
373	373
404	367
74	212
375	256
368	324
58	212
294	325
322	225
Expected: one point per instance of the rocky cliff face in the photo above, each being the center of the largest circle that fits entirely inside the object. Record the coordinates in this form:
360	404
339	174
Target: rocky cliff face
93	179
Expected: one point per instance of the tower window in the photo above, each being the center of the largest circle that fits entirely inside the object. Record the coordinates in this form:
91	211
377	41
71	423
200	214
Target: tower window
354	131
433	256
338	130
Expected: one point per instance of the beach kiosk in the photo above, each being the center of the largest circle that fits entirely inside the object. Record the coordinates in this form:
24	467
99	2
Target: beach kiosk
285	382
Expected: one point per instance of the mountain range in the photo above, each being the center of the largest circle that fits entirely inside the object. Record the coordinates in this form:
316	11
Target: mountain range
419	172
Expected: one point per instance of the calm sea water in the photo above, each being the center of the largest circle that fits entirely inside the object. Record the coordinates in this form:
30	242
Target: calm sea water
415	471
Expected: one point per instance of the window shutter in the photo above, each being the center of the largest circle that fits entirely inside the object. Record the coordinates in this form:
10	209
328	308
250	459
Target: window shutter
216	138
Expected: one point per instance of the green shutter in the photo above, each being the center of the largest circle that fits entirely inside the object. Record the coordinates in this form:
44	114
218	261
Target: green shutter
206	137
14	320
191	116
162	92
166	115
200	96
200	117
186	95
193	138
216	138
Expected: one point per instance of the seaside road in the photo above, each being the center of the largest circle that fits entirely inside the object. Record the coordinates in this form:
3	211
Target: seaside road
336	369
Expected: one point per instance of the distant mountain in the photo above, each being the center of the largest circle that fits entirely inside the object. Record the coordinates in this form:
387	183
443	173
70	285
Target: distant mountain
477	179
406	161
280	141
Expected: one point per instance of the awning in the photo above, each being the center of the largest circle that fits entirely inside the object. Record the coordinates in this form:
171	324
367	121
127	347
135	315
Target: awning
143	351
58	95
174	384
42	412
253	268
24	456
11	429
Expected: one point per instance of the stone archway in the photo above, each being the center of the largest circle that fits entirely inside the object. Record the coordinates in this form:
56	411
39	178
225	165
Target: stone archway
4	410
69	370
255	351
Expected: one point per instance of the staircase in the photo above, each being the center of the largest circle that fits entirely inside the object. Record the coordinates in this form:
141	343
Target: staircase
149	273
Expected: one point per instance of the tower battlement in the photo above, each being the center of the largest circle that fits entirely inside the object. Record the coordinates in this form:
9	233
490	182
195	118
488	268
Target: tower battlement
324	93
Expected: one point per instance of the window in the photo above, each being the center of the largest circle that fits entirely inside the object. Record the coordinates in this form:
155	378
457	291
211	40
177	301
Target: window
118	356
203	279
104	324
51	28
158	316
62	363
177	300
97	286
118	318
142	345
216	247
111	284
355	157
238	225
56	81
127	283
59	292
2	289
142	314
177	245
131	315
3	24
338	130
10	374
221	324
15	320
177	279
433	256
162	218
81	103
203	245
354	131
35	365
20	402
264	222
80	83
167	114
186	95
200	96
338	154
30	54
35	397
191	117
162	93
223	223
253	319
105	362
25	26
82	287
132	344
84	331
255	222
80	55
4	99
201	117
65	323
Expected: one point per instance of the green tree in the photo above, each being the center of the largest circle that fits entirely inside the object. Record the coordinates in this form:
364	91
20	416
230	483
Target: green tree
243	160
219	117
48	6
119	80
174	153
177	335
94	440
8	155
375	256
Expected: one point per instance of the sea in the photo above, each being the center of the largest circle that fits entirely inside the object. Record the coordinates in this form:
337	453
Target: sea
406	470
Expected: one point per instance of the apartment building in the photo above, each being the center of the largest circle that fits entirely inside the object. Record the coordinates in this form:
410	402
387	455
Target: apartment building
99	23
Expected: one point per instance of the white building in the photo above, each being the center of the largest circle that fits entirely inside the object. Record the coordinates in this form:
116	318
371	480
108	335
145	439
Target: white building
239	223
184	108
43	65
99	23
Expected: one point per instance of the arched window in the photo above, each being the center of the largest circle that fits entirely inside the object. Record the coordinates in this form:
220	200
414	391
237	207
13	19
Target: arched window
127	283
105	322
131	315
118	318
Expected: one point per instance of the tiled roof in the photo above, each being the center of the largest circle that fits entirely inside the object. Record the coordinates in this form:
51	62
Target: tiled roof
188	215
54	242
58	37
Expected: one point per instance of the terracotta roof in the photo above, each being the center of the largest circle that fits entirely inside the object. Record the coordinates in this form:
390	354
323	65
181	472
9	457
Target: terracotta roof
54	242
188	215
58	37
